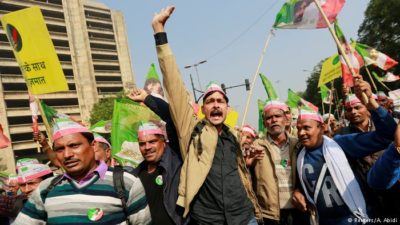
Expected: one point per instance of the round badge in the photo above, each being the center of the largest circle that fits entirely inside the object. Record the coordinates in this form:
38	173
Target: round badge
284	163
159	180
95	214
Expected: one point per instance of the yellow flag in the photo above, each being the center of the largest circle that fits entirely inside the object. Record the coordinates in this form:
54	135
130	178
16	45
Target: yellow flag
331	69
34	51
231	117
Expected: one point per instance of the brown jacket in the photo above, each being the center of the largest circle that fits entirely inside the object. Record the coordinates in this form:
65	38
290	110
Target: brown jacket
195	167
267	181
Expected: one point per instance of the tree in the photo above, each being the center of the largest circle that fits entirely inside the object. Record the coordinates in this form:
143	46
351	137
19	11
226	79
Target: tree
381	28
103	109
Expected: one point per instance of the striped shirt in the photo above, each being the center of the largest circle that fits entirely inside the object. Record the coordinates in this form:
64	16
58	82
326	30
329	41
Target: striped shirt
70	202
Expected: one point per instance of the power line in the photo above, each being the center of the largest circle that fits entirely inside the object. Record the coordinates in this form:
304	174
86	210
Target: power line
243	32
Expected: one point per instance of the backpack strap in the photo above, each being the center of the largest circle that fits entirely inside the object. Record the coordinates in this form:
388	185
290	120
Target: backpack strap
52	184
197	131
119	187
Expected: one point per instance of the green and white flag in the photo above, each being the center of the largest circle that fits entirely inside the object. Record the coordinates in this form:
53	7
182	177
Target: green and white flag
127	116
304	14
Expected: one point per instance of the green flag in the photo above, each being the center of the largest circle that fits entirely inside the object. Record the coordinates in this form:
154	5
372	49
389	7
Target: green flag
268	87
49	115
324	92
377	77
294	101
261	104
152	73
127	116
49	112
102	127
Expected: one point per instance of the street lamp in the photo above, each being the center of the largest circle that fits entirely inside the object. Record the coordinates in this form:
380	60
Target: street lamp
197	72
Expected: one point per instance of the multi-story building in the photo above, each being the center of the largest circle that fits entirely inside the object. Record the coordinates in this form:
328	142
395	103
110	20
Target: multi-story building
92	46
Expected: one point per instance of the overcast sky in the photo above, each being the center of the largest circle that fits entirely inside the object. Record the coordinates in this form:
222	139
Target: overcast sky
230	35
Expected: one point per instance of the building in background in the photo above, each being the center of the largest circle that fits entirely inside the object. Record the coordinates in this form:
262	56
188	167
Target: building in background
92	46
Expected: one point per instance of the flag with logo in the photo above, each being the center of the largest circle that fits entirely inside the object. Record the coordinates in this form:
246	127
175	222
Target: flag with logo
304	14
33	48
102	127
152	85
331	69
127	117
326	94
374	57
388	77
294	101
356	60
268	87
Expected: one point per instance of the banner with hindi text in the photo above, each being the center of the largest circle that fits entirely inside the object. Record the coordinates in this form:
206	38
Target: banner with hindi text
33	48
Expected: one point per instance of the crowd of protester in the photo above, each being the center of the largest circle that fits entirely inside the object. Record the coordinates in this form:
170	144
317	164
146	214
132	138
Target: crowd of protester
201	171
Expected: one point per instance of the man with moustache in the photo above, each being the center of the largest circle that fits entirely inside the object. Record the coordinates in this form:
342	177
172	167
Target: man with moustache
328	181
159	173
275	173
214	183
85	193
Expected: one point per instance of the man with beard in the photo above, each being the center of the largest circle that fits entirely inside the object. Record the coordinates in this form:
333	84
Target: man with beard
85	193
214	183
327	179
275	173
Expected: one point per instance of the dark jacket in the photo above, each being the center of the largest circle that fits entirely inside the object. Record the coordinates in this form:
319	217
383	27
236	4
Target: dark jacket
379	202
171	161
171	169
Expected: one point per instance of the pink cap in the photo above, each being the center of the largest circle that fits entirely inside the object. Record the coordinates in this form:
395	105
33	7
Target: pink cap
247	128
352	100
274	104
65	126
149	128
310	115
101	139
213	87
30	169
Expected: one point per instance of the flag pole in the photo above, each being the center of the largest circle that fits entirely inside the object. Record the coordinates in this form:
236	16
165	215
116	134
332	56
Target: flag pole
370	77
271	33
384	85
35	124
341	50
45	121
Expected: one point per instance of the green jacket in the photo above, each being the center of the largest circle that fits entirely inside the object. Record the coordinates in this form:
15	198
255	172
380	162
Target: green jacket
195	167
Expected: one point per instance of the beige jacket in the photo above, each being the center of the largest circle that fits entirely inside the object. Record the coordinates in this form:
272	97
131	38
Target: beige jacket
195	167
267	181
